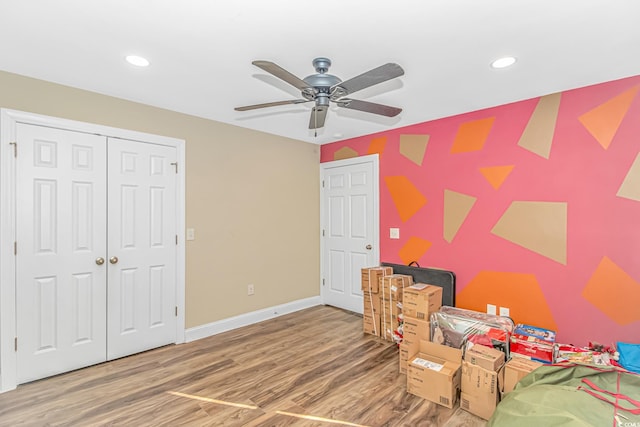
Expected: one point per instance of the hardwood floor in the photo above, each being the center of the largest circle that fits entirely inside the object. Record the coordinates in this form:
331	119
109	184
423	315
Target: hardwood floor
311	368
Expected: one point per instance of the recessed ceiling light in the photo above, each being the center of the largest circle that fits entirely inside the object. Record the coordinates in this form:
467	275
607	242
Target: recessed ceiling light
504	62
337	135
138	61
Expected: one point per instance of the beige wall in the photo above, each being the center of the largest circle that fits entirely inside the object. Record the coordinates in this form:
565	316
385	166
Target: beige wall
253	198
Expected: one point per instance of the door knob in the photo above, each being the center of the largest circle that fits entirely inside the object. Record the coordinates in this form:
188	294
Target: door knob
113	259
368	247
99	260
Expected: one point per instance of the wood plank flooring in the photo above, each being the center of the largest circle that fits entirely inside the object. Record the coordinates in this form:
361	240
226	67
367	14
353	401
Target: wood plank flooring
314	367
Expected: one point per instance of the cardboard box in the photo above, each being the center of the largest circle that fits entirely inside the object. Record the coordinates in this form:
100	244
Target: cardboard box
486	357
403	356
420	300
391	287
516	369
371	324
433	373
393	308
415	330
533	343
371	302
479	390
371	277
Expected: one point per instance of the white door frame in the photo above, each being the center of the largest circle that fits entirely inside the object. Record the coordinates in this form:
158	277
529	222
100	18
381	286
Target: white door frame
375	162
8	205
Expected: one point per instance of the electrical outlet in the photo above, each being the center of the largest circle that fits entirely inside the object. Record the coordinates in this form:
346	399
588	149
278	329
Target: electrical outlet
491	309
504	311
250	289
394	233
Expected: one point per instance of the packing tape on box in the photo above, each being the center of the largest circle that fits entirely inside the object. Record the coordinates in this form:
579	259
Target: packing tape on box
375	327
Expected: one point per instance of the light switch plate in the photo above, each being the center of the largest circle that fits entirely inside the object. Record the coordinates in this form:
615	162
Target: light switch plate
491	309
504	311
191	234
394	233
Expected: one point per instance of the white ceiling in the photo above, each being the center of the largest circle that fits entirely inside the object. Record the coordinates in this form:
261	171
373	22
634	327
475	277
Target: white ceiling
201	52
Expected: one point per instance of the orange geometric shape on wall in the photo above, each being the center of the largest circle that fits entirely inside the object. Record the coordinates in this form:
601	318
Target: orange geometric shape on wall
538	135
603	121
345	153
520	292
630	188
377	145
456	208
540	227
471	136
496	174
406	197
414	249
612	291
413	147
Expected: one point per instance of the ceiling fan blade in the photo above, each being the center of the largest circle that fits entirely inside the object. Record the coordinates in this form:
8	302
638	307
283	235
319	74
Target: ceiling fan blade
369	107
372	77
270	104
318	114
281	73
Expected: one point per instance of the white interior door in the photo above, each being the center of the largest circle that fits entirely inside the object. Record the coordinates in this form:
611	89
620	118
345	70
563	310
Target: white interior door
350	228
60	230
142	246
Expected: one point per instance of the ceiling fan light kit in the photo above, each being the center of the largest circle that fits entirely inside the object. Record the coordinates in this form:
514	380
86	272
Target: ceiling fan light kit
324	88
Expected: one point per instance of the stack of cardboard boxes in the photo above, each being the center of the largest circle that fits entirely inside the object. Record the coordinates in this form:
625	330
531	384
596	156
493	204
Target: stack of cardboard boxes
480	388
419	301
437	372
371	278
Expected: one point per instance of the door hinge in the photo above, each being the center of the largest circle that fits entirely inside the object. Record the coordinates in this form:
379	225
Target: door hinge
323	232
323	183
322	282
15	248
15	148
176	239
176	311
176	165
15	343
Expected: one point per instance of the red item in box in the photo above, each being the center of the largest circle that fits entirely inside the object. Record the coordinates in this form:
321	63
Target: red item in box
533	343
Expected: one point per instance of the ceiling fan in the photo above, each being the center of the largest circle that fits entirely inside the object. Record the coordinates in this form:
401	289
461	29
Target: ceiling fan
323	88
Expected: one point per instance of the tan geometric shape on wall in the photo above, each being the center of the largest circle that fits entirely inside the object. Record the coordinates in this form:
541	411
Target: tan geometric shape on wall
614	292
414	249
377	145
538	135
471	136
406	197
540	227
496	174
456	208
630	188
518	291
603	121
413	147
345	153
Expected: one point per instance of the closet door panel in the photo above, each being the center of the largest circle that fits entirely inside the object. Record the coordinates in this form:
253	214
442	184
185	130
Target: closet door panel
60	228
142	246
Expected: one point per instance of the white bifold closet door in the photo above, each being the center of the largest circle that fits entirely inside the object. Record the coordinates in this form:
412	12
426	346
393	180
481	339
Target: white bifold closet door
96	249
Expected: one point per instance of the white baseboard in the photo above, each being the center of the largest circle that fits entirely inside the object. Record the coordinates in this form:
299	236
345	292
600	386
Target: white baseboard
246	319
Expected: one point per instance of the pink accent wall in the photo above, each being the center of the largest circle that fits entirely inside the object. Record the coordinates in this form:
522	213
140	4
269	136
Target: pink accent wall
579	172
